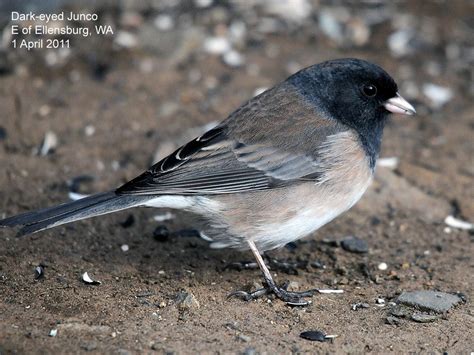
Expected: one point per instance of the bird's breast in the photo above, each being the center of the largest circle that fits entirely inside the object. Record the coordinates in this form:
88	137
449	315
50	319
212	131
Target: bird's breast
276	217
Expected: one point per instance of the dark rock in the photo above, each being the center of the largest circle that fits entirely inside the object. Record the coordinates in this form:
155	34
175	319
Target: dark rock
439	302
354	245
161	233
314	335
128	222
291	246
317	264
3	133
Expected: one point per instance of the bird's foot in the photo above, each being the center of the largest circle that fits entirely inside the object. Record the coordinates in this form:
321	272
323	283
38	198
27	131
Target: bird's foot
291	298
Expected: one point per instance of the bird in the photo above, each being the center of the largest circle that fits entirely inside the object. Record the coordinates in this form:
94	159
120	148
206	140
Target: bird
278	168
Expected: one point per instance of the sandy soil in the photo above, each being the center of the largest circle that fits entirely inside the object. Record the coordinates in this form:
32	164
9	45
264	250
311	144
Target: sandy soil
137	111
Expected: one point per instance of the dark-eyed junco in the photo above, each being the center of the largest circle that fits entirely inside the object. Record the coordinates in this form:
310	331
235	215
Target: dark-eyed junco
278	168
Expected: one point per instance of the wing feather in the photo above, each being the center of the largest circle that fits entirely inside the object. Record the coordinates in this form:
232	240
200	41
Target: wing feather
238	156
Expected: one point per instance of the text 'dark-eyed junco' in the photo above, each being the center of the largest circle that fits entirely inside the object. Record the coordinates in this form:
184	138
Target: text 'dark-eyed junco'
278	168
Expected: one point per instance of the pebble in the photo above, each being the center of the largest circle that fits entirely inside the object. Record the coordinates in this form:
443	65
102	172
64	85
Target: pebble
186	301
390	163
126	39
313	335
130	221
331	26
163	217
382	266
237	31
164	22
359	31
392	320
233	59
217	45
423	317
125	248
399	42
3	133
161	233
291	10
293	286
203	3
437	94
354	245
89	130
435	301
53	332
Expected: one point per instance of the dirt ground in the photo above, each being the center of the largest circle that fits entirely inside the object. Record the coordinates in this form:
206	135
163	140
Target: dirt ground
113	108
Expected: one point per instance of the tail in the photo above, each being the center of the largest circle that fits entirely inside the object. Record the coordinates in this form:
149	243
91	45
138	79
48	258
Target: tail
87	207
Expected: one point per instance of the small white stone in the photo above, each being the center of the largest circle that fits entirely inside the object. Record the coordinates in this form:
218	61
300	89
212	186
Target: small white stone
217	45
115	165
147	65
163	217
203	3
291	10
233	58
126	39
89	130
164	22
382	266
44	110
125	247
437	94
237	31
390	163
53	332
399	42
330	26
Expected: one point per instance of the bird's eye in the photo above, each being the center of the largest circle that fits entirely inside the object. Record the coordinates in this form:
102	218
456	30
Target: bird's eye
370	90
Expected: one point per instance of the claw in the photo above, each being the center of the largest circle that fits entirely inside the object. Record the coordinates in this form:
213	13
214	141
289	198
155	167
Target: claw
290	298
249	296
